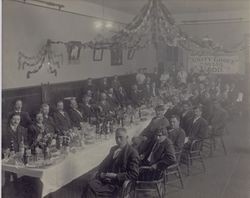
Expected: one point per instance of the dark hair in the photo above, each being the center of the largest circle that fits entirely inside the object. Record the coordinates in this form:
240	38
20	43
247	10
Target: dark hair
163	131
160	107
121	129
14	114
37	112
199	106
175	116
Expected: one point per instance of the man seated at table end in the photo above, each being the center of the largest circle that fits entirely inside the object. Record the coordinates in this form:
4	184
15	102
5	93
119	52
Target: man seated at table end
120	165
146	137
161	154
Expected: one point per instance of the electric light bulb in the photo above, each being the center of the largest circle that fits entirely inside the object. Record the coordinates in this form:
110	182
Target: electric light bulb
109	25
98	24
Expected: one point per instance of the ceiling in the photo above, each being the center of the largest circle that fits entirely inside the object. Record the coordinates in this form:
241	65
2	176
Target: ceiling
178	6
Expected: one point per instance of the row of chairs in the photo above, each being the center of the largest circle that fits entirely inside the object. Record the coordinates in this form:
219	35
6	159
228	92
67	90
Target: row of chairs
153	181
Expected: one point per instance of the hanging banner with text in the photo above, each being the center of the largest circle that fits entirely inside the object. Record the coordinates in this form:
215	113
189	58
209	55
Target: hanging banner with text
224	64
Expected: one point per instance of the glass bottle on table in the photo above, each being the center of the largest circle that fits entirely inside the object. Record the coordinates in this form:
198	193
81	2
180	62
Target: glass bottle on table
21	147
25	157
12	149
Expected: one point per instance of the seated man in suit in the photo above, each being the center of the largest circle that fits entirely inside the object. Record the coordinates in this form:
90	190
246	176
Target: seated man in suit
146	137
176	134
175	109
47	119
186	116
25	117
198	127
104	104
115	83
14	137
61	118
86	109
136	96
104	86
75	114
161	154
14	134
111	97
89	85
39	135
146	90
122	97
121	164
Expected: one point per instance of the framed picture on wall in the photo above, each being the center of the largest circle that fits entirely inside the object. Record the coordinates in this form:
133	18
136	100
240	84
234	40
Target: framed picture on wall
116	53
131	53
98	54
74	51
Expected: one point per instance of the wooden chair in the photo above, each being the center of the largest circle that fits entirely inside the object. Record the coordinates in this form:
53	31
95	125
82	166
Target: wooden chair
150	180
193	153
174	170
214	137
123	192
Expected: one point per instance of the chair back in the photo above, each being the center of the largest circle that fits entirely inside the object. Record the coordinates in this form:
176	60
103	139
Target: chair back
149	174
178	156
196	146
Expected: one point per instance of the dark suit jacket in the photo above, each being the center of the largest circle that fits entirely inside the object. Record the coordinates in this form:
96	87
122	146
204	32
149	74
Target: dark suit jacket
177	136
9	135
115	85
75	117
206	108
198	129
122	98
162	154
136	98
87	111
112	100
125	165
49	122
186	121
103	87
62	122
25	118
33	132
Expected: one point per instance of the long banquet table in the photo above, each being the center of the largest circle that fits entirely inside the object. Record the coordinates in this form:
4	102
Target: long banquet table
74	165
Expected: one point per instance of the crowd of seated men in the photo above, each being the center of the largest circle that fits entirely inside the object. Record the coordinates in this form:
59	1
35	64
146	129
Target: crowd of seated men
198	105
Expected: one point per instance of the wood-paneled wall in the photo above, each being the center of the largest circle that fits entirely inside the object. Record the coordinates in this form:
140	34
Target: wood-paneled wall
32	96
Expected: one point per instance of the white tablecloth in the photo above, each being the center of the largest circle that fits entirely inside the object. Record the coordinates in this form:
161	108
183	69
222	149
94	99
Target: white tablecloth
74	165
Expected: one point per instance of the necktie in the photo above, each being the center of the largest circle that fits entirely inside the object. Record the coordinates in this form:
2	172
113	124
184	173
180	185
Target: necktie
151	154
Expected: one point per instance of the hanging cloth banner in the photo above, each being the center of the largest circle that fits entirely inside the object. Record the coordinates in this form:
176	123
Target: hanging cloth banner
222	64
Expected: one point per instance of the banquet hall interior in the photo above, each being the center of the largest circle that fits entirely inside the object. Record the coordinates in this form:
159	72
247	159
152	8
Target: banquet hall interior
125	98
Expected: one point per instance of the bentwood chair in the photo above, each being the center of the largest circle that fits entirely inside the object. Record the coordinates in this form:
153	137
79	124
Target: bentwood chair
215	137
193	153
150	181
175	171
123	192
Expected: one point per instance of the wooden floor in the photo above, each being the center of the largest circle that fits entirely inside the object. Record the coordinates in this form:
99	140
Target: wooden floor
227	176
